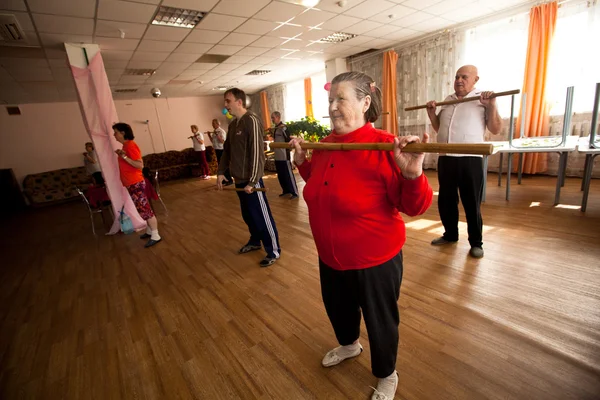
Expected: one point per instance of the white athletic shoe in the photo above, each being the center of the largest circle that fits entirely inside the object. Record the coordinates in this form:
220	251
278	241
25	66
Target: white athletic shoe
337	355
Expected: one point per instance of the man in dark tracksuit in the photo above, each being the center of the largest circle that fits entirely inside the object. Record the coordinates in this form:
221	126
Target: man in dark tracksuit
286	177
243	154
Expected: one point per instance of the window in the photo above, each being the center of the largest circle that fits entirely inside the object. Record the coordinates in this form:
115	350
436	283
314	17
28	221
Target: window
294	101
295	108
320	98
573	61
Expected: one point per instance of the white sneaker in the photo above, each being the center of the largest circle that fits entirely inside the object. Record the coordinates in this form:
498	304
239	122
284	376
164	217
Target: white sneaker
337	355
386	388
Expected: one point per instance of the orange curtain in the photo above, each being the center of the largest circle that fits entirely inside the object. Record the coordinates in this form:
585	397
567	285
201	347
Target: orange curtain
308	97
264	106
390	121
542	24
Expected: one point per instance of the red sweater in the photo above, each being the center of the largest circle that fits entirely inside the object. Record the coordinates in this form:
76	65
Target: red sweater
354	199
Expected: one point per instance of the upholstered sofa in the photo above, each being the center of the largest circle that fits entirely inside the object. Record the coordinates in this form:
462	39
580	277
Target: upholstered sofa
55	186
175	164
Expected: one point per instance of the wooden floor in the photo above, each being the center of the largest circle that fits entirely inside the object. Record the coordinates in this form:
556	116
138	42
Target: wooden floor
104	318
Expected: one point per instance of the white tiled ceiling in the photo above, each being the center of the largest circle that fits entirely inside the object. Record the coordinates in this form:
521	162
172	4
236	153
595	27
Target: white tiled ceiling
257	34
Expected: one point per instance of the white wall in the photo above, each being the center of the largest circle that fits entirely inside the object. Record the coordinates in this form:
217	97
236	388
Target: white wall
49	136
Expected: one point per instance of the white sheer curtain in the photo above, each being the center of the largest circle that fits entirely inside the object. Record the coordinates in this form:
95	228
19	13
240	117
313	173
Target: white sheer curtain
425	71
499	50
294	101
575	59
320	98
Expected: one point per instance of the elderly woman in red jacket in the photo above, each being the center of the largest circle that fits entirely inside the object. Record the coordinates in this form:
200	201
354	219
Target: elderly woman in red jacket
354	201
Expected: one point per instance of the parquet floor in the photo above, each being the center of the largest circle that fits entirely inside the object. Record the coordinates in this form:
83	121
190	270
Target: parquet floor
103	318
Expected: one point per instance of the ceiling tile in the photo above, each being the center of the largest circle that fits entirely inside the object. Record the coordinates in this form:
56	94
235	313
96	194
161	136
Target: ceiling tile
205	36
126	11
364	26
70	25
149	56
288	31
279	12
219	22
242	8
369	8
116	43
396	12
446	6
193	48
294	44
24	20
237	59
256	27
202	66
267	41
174	67
166	33
402	34
412	19
33	74
62	74
317	46
360	40
313	17
182	57
432	24
341	22
11	63
226	50
379	43
336	48
133	79
466	13
251	51
197	5
116	55
56	63
382	31
239	39
144	64
156	45
59	54
17	5
56	40
84	8
115	64
111	29
275	53
420	4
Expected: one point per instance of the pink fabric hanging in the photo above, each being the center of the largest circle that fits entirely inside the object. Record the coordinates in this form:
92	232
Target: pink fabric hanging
99	114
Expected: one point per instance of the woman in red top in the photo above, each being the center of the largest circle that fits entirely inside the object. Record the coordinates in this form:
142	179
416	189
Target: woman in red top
130	168
354	201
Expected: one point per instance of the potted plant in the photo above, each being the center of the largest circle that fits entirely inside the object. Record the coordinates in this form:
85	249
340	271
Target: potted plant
308	129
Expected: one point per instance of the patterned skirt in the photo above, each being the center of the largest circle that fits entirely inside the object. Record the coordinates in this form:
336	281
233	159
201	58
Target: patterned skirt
137	191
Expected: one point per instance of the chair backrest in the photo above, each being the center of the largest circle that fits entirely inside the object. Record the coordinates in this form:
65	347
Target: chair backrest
85	200
157	187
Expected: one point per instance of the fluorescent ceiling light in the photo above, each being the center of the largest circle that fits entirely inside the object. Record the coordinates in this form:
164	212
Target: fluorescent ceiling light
305	3
177	17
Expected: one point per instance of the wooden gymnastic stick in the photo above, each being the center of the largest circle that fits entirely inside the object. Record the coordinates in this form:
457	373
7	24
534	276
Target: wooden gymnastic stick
463	100
448	148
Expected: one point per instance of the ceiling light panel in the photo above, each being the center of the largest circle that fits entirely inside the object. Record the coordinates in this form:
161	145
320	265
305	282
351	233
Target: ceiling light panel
177	17
337	37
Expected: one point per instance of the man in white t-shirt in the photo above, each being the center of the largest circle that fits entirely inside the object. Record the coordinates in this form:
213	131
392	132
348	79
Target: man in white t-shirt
463	123
217	137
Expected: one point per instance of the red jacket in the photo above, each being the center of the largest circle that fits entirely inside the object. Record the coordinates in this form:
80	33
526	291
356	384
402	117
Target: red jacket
354	199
